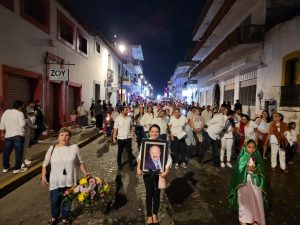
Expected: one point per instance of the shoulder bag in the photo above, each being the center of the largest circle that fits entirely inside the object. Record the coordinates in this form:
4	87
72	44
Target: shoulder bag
48	167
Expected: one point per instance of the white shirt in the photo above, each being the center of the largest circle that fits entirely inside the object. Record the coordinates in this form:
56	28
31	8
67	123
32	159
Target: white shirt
65	157
177	125
273	139
114	115
13	122
228	134
249	129
207	115
162	123
263	127
189	115
146	121
82	110
294	135
123	124
215	126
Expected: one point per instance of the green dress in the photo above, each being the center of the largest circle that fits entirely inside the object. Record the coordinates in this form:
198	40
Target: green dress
240	172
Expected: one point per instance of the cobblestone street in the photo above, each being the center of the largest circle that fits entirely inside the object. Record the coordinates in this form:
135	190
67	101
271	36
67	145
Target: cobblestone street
194	197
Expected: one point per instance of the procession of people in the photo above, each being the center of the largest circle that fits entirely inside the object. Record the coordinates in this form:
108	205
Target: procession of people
237	142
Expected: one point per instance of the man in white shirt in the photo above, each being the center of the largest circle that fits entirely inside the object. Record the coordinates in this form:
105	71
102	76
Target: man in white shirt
12	129
122	136
147	120
82	115
211	137
206	114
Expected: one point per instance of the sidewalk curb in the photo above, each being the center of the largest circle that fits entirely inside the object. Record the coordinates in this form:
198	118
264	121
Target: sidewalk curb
19	179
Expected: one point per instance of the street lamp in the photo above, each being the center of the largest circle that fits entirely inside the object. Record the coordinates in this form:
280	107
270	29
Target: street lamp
122	49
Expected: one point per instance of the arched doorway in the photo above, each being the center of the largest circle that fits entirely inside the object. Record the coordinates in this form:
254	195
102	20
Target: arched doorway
217	95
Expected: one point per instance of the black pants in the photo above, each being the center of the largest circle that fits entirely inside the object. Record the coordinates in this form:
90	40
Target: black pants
99	121
152	194
126	143
179	150
290	152
208	141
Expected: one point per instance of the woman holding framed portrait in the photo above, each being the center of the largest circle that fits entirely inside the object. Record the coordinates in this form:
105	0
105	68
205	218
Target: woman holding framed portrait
154	163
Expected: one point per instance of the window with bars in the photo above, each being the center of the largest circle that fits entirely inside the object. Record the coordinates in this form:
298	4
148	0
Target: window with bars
229	96
248	95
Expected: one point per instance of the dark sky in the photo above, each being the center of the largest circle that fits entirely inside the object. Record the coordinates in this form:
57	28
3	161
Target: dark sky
163	28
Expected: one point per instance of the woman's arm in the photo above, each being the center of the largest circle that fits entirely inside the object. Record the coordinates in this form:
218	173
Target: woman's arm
43	178
84	170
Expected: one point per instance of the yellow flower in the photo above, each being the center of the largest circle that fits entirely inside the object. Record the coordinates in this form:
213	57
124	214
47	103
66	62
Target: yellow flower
106	188
81	197
83	181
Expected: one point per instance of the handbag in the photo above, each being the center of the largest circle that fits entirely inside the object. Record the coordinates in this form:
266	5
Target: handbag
48	167
163	183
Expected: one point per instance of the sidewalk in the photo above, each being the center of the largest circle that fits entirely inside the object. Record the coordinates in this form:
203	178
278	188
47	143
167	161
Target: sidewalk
36	154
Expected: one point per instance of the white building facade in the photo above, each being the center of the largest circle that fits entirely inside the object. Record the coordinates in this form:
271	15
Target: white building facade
51	36
247	51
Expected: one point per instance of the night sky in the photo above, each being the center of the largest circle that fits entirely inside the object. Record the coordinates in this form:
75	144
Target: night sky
163	28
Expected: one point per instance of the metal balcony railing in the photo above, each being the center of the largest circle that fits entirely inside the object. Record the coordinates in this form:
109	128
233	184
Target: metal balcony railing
290	96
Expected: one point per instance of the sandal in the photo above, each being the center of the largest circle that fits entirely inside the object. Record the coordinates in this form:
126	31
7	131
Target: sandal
53	222
65	222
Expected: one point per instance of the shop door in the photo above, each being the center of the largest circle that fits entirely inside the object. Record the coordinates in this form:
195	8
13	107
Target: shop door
71	99
19	88
53	120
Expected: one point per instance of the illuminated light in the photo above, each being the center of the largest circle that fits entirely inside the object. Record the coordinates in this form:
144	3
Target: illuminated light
122	48
187	92
158	97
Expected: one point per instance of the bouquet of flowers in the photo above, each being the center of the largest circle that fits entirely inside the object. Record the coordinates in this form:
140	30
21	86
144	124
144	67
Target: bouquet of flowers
89	190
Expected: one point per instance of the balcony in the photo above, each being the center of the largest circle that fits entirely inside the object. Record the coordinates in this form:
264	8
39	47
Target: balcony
290	96
243	35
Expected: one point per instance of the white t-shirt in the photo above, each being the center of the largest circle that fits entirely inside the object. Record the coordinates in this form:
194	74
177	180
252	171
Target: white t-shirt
82	111
249	129
273	139
207	115
147	121
66	157
162	123
177	125
263	127
13	122
228	134
123	124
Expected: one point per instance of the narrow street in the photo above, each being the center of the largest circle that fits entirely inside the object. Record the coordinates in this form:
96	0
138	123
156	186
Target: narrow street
194	197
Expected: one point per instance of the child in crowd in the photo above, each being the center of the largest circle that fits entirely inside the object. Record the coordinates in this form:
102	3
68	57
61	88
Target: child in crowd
73	118
293	147
247	186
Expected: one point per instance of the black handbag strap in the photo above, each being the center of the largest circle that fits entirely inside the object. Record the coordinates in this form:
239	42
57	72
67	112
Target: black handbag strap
51	153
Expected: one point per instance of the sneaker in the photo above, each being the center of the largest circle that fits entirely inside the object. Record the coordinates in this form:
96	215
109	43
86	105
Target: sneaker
183	165
23	165
291	163
6	170
27	162
222	164
176	165
228	164
22	170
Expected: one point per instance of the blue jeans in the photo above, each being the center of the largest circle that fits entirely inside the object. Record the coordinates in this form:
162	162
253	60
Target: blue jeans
208	141
16	142
57	205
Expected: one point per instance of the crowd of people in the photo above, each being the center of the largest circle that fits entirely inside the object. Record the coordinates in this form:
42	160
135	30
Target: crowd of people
191	131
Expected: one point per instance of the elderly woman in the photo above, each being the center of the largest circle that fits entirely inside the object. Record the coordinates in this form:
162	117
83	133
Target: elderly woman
278	141
63	157
151	181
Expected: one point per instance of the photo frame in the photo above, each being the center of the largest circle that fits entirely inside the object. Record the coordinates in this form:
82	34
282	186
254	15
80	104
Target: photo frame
154	155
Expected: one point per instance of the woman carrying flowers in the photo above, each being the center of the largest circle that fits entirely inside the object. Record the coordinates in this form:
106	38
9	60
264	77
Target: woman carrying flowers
63	157
247	186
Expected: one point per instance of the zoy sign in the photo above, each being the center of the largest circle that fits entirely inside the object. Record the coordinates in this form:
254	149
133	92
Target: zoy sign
58	74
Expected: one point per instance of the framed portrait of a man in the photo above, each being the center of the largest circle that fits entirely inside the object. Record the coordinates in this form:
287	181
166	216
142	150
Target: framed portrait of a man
154	155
